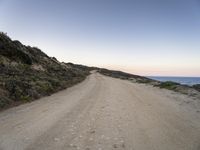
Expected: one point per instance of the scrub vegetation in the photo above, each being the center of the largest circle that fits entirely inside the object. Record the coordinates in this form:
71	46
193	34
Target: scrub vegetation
27	73
193	91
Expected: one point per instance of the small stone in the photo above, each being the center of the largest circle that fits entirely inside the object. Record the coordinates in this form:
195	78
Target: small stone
122	141
123	145
115	146
93	131
27	138
56	139
72	145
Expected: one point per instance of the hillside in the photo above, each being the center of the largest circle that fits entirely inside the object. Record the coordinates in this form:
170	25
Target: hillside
27	73
192	91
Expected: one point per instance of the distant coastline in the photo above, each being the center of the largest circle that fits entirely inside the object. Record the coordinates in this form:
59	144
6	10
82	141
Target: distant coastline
181	80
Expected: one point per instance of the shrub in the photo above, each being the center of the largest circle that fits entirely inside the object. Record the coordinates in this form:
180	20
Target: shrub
168	85
196	87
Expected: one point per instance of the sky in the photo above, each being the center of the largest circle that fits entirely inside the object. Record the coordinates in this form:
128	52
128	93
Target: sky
145	37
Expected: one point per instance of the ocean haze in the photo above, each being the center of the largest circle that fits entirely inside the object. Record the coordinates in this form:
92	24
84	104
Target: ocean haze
142	37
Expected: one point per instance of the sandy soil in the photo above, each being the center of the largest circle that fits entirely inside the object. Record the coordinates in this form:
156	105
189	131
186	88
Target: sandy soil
104	113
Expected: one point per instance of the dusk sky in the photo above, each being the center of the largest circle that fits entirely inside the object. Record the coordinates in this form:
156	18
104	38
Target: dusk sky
145	37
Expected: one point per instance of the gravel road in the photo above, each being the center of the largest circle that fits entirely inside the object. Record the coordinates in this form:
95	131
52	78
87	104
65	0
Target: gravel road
103	113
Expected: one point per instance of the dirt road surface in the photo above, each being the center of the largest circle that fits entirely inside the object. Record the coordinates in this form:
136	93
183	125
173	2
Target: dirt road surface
103	113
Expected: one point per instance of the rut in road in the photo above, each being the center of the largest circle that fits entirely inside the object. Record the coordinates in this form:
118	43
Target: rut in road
103	113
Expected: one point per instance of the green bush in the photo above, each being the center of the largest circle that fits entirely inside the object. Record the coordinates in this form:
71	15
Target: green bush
4	102
143	81
45	88
25	98
196	87
168	85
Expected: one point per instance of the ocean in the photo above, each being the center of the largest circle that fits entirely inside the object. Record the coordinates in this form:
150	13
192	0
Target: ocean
181	80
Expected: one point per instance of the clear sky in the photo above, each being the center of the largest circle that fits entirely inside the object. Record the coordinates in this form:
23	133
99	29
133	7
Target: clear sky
145	37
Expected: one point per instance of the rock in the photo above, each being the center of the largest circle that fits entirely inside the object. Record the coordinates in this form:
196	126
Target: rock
115	146
93	131
56	139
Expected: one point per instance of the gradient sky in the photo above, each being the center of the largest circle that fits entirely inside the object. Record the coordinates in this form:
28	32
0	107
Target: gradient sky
145	37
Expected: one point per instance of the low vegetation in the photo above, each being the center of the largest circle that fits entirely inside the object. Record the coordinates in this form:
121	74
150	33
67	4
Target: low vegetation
184	89
26	73
126	76
197	87
168	85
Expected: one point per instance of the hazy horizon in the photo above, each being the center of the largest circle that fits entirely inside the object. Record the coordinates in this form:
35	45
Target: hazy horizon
149	38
